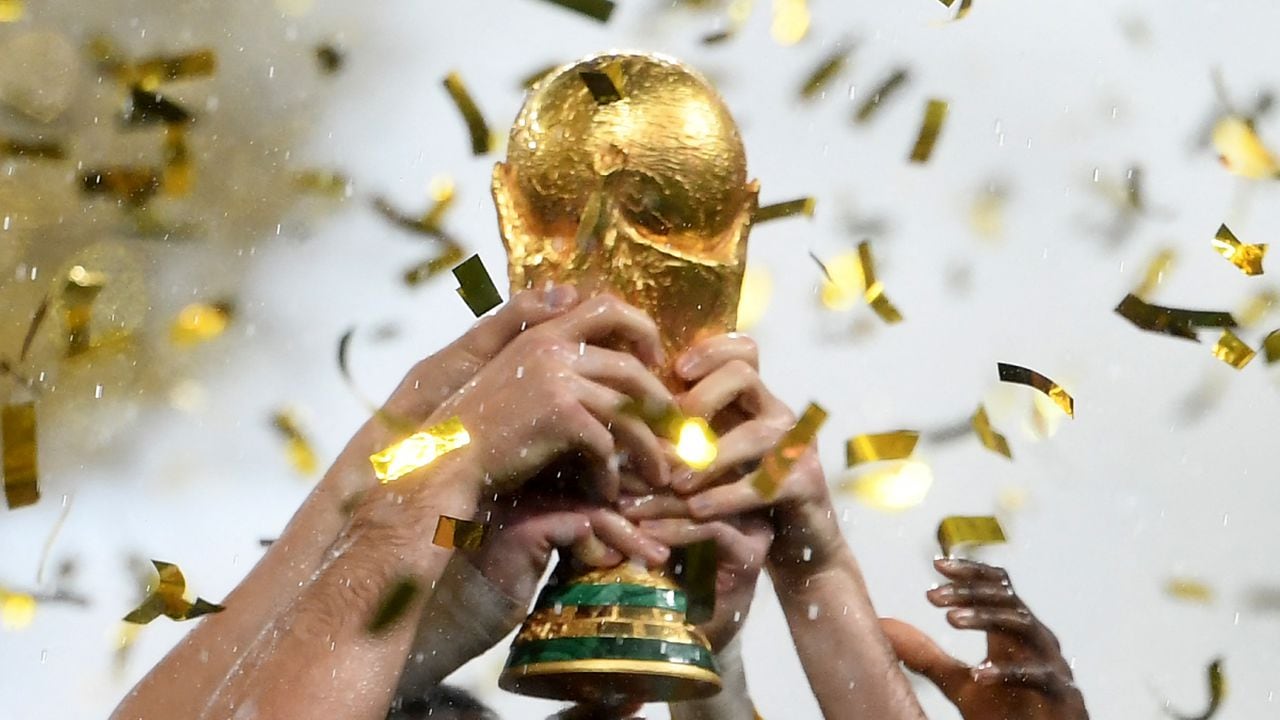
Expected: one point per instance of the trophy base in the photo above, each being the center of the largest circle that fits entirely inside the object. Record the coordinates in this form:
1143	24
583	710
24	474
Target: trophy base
610	681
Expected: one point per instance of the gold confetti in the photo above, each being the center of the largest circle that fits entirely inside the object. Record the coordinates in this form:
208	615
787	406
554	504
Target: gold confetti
891	85
481	140
899	486
596	9
81	289
178	172
145	107
991	440
873	447
739	12
1217	693
449	256
200	322
419	450
1045	416
165	597
327	183
826	71
1242	151
1257	306
21	454
793	444
986	215
17	610
131	185
452	532
149	73
329	58
1246	257
297	447
1159	266
962	531
935	113
965	7
35	150
843	284
12	10
790	21
1171	321
1232	350
394	604
800	206
605	85
696	443
476	287
1190	590
757	290
1271	346
874	292
1025	376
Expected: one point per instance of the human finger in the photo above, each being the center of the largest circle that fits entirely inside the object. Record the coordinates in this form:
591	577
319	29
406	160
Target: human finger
985	594
735	381
606	316
1018	623
646	507
739	451
627	538
727	500
623	372
644	451
961	570
1046	678
922	655
708	354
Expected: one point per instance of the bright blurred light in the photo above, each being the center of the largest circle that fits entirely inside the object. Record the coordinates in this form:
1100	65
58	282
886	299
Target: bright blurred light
843	289
757	290
696	443
894	486
17	610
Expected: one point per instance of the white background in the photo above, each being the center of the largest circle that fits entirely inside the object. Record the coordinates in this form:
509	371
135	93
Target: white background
1125	496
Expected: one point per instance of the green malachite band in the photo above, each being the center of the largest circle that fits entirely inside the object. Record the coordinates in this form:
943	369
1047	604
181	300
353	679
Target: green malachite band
613	594
608	648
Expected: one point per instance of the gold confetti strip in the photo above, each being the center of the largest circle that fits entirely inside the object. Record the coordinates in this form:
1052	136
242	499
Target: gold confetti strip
34	150
476	287
1171	321
1257	306
1242	151
1217	693
757	290
595	9
800	206
36	320
481	140
739	12
965	7
17	609
961	531
986	215
79	292
1160	265
442	192
1244	256
452	532
1271	346
899	486
826	71
297	447
696	443
1232	350
131	185
178	172
1026	376
791	21
394	604
1190	590
200	322
12	10
897	79
605	84
874	292
793	444
149	73
449	256
991	440
327	183
843	285
21	454
145	107
419	450
935	113
873	447
165	597
329	57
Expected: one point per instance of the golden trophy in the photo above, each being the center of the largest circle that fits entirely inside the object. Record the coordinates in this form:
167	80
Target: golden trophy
625	174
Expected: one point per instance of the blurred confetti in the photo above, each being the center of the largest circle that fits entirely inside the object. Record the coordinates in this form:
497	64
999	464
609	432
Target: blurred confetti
302	457
452	532
957	531
1246	257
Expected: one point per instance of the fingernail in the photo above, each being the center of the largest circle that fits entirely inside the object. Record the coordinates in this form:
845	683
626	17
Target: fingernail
946	592
682	479
558	297
986	674
699	507
962	615
632	502
659	554
685	364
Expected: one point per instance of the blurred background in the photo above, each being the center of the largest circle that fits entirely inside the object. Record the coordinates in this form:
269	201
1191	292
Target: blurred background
224	259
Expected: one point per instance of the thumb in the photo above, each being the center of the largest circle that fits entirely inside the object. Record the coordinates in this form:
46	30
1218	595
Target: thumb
922	655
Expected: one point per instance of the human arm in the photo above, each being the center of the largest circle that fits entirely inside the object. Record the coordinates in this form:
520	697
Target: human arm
1024	675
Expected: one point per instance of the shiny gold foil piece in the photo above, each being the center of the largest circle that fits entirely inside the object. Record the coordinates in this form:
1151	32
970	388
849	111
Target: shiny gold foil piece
791	21
456	533
1026	376
897	486
32	149
793	444
696	443
21	454
1171	321
145	107
1241	151
150	72
891	85
1271	346
17	609
450	255
987	435
598	10
1159	266
962	531
827	71
1189	590
132	185
481	140
200	322
419	450
874	292
395	602
873	447
935	113
12	10
165	598
81	288
475	287
1244	256
1232	350
302	456
800	206
179	170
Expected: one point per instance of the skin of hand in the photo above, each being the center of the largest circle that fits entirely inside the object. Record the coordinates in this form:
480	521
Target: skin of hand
1024	676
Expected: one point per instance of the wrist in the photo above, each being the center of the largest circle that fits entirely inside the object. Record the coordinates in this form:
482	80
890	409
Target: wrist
808	542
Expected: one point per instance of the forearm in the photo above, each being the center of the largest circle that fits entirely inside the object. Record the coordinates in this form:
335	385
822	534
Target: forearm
733	702
848	661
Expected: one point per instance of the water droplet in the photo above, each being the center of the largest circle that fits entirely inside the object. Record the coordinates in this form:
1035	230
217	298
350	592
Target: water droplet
519	372
97	392
807	553
813	611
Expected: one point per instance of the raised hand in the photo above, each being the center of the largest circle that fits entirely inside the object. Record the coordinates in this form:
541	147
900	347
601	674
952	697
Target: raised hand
1023	677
